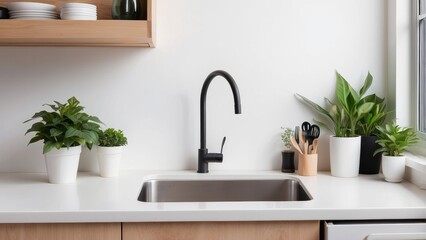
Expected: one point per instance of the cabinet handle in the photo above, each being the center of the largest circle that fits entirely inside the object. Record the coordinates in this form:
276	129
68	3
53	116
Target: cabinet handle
397	236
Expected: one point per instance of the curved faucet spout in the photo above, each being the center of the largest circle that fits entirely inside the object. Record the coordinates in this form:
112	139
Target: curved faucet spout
203	155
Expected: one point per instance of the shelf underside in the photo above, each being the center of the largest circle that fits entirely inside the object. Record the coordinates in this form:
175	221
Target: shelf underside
76	33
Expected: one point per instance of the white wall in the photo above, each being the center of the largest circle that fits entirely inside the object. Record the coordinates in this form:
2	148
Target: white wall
272	48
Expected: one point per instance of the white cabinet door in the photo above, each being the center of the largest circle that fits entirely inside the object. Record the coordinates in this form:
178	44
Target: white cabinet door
397	236
375	230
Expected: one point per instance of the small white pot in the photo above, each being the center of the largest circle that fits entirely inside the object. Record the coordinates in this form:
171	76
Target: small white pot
393	168
109	160
62	164
344	156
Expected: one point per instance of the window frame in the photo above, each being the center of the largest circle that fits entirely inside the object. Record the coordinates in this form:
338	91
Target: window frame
420	54
419	150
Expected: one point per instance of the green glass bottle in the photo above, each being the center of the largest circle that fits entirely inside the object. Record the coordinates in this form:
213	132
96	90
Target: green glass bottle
126	9
143	10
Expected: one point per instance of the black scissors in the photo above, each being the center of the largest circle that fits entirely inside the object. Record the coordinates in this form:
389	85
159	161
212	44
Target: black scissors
310	132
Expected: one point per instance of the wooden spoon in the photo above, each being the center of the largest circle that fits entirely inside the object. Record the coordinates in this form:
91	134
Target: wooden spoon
295	145
306	147
315	146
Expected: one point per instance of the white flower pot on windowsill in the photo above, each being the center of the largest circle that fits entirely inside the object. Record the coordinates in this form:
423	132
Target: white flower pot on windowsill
344	156
109	160
393	168
62	164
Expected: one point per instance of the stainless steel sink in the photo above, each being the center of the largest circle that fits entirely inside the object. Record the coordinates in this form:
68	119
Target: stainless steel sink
162	190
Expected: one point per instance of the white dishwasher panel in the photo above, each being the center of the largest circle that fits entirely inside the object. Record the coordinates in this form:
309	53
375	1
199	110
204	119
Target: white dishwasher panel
375	230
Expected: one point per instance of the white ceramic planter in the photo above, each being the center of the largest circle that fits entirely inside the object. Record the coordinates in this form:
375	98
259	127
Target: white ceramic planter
62	164
344	156
109	160
393	168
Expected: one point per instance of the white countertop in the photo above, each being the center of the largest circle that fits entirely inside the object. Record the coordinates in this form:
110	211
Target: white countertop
30	198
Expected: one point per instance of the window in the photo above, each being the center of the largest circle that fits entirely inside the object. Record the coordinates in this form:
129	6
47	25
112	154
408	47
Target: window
421	64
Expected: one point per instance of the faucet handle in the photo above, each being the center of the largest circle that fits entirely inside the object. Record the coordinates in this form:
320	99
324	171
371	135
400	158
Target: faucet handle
215	157
223	143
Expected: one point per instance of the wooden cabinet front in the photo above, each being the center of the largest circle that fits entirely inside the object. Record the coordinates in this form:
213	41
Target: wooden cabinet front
103	32
61	231
294	230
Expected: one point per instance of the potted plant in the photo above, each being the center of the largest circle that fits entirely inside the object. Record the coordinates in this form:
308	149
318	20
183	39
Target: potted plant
110	148
393	141
287	155
367	129
343	117
63	131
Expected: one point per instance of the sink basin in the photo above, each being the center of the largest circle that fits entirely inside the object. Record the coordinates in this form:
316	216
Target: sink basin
167	190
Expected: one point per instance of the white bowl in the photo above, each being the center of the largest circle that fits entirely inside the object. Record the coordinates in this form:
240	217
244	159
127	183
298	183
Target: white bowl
78	5
30	6
78	11
33	18
78	17
32	11
33	15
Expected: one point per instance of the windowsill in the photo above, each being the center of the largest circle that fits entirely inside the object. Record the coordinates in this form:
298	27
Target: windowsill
416	157
416	169
417	162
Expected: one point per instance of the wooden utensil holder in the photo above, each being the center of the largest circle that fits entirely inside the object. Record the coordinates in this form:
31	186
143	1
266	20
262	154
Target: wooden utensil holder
308	164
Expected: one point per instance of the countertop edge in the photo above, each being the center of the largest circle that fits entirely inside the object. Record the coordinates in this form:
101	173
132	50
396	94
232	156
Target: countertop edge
84	201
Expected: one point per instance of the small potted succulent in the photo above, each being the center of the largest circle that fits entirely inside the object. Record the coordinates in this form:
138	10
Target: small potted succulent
287	154
110	148
63	131
394	141
343	117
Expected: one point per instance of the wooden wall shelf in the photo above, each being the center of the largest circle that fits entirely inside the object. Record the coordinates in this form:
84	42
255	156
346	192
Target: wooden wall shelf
104	32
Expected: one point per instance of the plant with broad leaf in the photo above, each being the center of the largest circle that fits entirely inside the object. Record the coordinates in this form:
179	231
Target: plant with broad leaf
112	138
286	136
394	140
66	126
367	125
351	106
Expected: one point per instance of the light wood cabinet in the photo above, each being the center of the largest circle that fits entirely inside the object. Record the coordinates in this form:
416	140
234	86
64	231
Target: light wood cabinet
62	231
289	230
102	32
294	230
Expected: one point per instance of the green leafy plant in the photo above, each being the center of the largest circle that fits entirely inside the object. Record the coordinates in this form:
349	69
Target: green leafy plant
344	115
67	125
285	137
394	140
112	138
367	125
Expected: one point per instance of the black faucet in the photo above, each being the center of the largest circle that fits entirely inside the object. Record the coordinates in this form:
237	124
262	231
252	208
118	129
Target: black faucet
204	157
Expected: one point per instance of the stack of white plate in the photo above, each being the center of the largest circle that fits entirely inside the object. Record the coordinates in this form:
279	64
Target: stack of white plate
78	11
31	11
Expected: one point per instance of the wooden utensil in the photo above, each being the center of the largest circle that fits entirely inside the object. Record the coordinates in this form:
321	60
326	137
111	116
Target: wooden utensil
295	145
296	133
305	147
301	140
314	146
